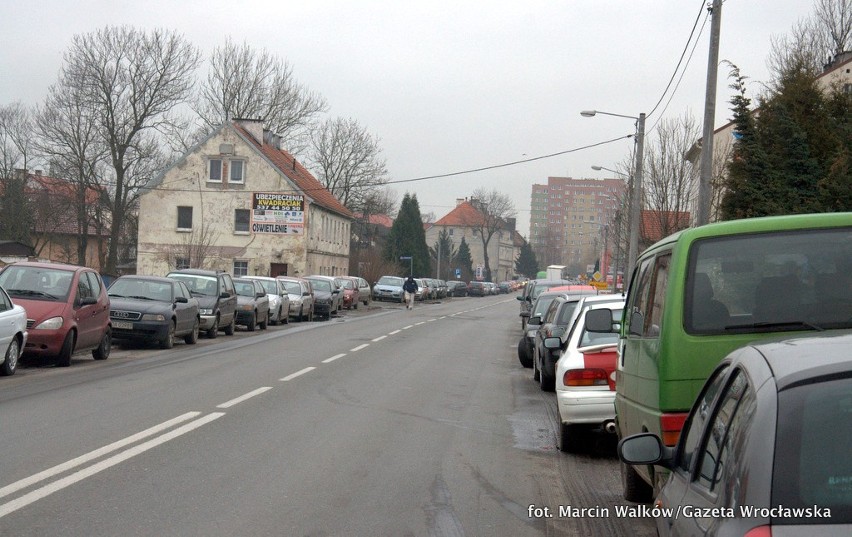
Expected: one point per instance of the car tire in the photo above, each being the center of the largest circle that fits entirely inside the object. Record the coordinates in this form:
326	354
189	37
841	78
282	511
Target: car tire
192	337
64	358
169	341
569	438
252	322
524	353
265	322
546	382
213	333
231	328
635	488
101	352
301	316
536	372
10	364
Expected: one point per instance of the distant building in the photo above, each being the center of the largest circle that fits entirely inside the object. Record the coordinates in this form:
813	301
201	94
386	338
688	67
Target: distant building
239	202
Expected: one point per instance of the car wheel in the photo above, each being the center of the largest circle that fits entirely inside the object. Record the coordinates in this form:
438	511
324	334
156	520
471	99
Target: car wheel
231	328
634	487
214	331
64	358
10	364
192	337
169	341
252	322
105	346
569	438
524	353
547	382
265	322
536	372
301	316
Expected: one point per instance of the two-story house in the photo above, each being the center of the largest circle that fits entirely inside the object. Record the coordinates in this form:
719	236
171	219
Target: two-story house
239	202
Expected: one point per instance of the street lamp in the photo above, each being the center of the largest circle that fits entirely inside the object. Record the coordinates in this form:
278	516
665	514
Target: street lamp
635	208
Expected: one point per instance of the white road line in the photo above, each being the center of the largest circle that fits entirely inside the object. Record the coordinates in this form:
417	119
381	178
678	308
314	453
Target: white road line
421	322
431	320
394	332
378	339
407	327
67	481
240	399
333	358
73	463
297	374
443	317
359	347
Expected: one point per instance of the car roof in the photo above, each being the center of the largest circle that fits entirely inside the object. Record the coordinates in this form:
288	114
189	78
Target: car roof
200	272
267	278
47	265
803	359
161	279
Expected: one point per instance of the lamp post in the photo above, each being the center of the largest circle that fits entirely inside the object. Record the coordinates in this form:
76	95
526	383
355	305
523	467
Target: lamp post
617	222
636	204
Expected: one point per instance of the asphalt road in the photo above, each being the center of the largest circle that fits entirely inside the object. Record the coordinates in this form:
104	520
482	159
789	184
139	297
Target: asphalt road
381	422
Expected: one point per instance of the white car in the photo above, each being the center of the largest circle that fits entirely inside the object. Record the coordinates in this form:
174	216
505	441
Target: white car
585	376
13	333
279	299
301	296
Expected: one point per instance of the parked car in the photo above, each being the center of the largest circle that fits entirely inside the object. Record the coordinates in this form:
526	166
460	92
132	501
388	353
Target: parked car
327	296
476	288
555	321
705	291
389	288
423	292
531	292
301	295
279	299
350	293
67	309
217	298
526	344
365	294
456	288
151	308
13	333
765	447
252	304
585	375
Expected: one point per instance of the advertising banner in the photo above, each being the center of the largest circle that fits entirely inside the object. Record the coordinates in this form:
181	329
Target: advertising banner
277	213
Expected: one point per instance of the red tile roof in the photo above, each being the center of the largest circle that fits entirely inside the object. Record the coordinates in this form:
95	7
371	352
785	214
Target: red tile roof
464	215
298	174
377	219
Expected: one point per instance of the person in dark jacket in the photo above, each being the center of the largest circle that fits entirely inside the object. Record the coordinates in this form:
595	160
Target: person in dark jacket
410	287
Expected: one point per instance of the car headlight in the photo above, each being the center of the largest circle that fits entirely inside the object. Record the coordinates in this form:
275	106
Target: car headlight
205	311
154	317
296	302
53	323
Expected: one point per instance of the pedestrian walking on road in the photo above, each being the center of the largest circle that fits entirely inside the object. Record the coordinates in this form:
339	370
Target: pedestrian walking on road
410	287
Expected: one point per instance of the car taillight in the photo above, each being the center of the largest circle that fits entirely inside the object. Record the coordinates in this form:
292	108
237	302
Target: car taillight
585	377
671	425
760	531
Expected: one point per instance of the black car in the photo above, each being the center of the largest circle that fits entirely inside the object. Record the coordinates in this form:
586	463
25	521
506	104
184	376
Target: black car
531	292
217	298
765	448
252	304
456	288
327	296
477	289
149	308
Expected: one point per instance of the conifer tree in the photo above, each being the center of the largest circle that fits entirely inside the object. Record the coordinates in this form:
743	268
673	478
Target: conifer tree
526	263
408	239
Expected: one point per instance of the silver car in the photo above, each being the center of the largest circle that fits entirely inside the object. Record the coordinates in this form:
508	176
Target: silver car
13	333
279	298
300	293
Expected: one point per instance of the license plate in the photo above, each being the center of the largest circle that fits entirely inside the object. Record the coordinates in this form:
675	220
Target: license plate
123	325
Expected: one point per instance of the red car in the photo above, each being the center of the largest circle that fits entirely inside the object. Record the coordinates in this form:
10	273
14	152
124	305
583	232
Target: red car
67	309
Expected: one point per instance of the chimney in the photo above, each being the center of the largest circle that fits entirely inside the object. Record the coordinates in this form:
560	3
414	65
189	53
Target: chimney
38	173
459	201
253	127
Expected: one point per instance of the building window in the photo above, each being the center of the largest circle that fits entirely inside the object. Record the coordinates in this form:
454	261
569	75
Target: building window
241	220
450	232
237	171
240	268
184	218
182	263
215	172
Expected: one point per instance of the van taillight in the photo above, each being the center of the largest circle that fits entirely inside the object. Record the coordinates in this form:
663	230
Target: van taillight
671	425
585	377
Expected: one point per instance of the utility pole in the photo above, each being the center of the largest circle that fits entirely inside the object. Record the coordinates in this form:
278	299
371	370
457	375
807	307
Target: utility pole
636	201
706	173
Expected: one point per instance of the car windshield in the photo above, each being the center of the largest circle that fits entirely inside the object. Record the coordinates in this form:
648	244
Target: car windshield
198	285
321	285
269	286
37	283
390	280
812	464
542	304
346	284
142	289
293	288
778	281
245	288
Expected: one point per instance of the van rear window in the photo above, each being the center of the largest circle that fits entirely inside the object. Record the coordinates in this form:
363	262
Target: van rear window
767	282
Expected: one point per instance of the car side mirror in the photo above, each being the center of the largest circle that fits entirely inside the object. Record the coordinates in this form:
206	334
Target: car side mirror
224	294
306	293
552	342
645	448
88	301
259	295
181	300
519	297
535	319
599	321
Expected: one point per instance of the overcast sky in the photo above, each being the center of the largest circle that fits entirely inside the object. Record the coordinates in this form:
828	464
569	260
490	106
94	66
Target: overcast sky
448	86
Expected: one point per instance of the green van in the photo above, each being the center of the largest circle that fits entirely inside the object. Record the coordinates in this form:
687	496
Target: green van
699	294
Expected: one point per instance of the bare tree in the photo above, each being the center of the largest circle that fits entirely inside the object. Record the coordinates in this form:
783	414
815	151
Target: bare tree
669	178
132	80
246	83
194	248
349	162
16	155
493	208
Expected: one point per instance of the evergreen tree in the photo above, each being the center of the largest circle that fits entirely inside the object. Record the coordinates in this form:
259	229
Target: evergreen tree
407	238
526	263
464	261
444	253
